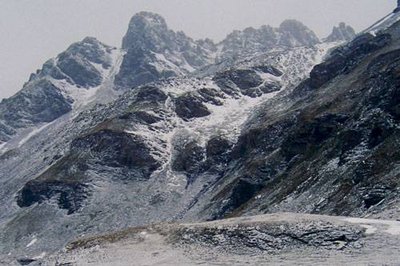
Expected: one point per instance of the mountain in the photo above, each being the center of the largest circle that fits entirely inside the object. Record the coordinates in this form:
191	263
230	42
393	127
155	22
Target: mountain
53	90
328	147
342	32
154	52
150	52
291	33
169	129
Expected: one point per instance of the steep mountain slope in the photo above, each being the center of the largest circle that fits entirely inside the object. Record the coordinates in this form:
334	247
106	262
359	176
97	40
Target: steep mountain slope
53	90
330	146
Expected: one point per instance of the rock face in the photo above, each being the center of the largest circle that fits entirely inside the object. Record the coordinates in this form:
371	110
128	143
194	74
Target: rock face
153	52
67	179
333	148
246	82
39	101
345	59
44	97
78	64
340	33
291	33
189	106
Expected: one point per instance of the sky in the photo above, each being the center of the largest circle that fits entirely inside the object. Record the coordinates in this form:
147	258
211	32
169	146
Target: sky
33	31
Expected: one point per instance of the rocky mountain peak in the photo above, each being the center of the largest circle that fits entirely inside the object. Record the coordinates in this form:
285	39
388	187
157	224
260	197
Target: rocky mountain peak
92	50
295	33
78	65
155	52
52	90
251	41
148	30
147	19
342	32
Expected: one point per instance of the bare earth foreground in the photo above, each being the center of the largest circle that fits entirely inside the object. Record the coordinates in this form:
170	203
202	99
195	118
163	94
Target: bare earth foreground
275	239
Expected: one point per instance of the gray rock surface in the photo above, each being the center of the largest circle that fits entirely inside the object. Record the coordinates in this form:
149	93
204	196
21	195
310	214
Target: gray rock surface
277	239
39	101
43	98
155	52
291	33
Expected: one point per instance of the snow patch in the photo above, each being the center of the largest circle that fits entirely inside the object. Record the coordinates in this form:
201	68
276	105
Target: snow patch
163	64
391	227
39	257
31	134
3	147
227	120
34	240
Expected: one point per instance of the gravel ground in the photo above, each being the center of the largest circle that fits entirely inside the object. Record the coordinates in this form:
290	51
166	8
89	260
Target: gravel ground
276	239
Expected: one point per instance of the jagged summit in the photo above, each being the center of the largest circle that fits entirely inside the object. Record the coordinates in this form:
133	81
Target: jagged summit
342	32
241	44
76	64
146	28
154	52
295	33
52	90
149	18
151	52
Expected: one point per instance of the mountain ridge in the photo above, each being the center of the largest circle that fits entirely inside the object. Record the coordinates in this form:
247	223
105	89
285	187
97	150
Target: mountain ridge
85	63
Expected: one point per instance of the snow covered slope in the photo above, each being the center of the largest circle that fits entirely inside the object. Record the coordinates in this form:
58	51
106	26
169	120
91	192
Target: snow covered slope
137	142
134	160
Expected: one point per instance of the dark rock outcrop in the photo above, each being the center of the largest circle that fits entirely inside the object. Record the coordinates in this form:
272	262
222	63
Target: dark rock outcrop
70	195
246	82
344	59
77	64
188	159
39	101
117	150
68	180
189	106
